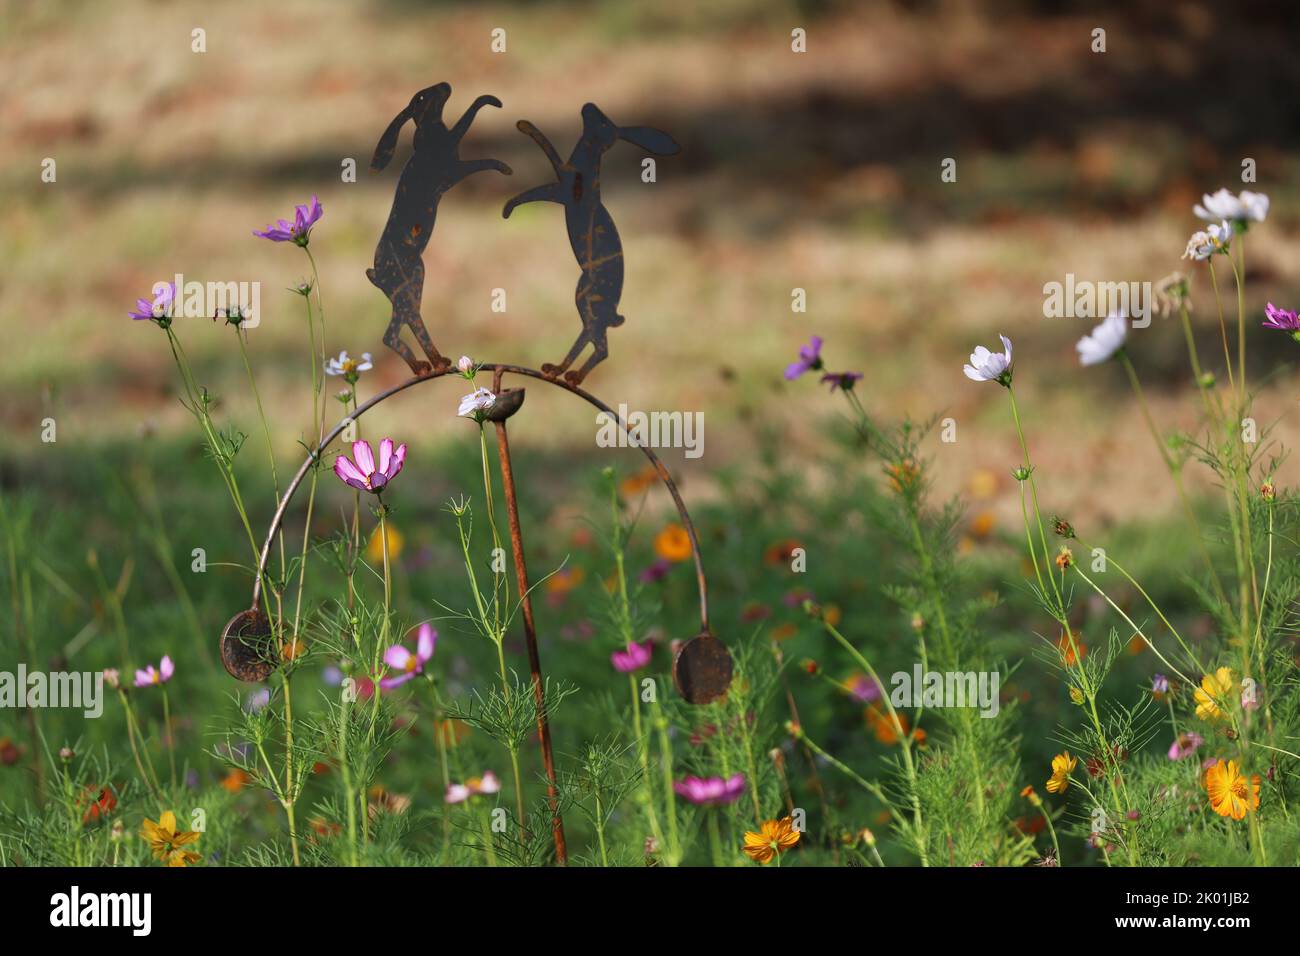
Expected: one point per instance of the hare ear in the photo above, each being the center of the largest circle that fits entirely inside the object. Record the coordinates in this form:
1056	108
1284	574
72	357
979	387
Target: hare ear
650	139
388	142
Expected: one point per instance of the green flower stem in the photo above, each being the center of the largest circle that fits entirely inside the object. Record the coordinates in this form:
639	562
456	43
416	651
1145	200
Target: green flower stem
1175	470
905	740
1033	491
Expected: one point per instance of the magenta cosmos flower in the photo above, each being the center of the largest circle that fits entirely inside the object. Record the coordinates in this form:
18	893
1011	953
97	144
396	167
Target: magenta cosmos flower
298	231
159	308
407	664
473	787
363	475
810	359
149	676
711	791
1284	320
1185	745
635	657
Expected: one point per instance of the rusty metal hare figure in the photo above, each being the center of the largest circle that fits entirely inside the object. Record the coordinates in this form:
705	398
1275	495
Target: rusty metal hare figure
433	168
592	234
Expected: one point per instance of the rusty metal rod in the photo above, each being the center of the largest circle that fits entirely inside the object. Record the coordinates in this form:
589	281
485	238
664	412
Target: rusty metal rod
530	632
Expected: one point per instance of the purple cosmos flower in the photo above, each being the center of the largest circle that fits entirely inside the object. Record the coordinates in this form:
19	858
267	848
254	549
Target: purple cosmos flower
256	701
656	572
363	475
473	787
148	677
1160	684
986	366
1185	745
1284	320
634	658
841	380
810	359
159	308
298	231
711	791
407	664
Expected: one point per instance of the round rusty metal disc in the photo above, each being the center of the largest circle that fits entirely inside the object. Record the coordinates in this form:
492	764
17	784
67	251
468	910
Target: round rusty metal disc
702	669
509	401
246	648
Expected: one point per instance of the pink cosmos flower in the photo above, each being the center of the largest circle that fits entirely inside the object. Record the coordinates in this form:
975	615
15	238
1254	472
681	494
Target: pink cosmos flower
1284	320
635	657
711	791
363	475
407	664
158	309
862	688
473	787
148	677
298	231
1185	745
656	571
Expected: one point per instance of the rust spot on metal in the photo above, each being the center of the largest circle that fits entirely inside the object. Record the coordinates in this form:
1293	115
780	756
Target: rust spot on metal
246	646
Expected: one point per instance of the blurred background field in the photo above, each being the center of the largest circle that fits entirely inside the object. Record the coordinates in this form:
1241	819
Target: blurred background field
819	171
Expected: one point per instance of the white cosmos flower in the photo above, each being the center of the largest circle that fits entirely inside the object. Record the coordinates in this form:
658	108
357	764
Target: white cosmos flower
1221	205
465	364
1224	205
1208	241
348	366
986	366
1105	340
1255	205
479	400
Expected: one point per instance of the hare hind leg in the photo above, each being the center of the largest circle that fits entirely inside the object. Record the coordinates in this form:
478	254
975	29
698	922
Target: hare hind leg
581	299
393	339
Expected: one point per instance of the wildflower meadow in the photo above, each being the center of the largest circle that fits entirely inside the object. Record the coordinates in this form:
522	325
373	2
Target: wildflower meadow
748	590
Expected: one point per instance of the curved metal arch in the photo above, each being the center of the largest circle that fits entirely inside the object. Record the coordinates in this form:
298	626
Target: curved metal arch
497	368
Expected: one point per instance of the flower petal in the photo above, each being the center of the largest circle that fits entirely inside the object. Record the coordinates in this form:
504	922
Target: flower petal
364	457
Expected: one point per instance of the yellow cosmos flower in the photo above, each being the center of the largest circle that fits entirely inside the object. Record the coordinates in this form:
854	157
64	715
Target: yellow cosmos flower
775	836
1216	685
1062	765
1230	793
375	546
166	841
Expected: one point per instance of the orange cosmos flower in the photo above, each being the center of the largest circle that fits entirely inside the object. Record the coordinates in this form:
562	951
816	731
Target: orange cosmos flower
1230	794
1071	648
774	837
235	780
633	485
673	543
